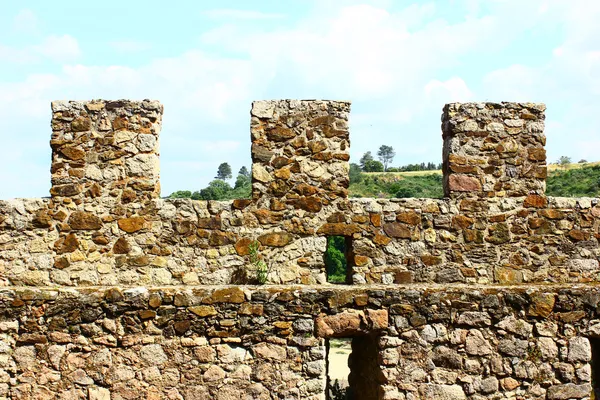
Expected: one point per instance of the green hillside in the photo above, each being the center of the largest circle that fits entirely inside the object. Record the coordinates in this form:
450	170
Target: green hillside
575	180
582	182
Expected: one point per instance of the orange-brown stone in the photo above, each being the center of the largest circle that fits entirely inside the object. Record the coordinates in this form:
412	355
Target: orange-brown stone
542	304
132	224
228	295
81	124
430	260
536	154
219	238
73	153
275	239
120	123
551	213
535	201
240	204
463	183
397	230
310	204
578	235
377	319
339	325
80	220
121	246
338	229
280	134
381	240
411	218
360	261
462	222
306	190
210	223
242	246
67	190
375	219
267	216
68	244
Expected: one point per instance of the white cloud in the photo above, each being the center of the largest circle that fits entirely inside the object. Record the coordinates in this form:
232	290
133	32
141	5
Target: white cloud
59	48
235	14
396	67
25	22
130	46
452	90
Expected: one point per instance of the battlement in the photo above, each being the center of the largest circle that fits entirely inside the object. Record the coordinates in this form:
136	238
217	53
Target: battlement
111	292
105	223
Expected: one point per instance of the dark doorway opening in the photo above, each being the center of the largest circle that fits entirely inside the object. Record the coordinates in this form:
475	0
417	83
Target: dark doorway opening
353	371
338	259
595	364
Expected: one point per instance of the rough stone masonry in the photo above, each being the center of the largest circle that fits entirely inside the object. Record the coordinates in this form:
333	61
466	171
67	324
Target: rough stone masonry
110	292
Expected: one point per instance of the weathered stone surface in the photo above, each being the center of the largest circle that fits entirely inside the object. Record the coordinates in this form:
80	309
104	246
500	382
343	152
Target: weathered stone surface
542	304
67	190
464	183
398	230
121	246
132	224
442	392
275	239
242	246
229	295
569	391
80	220
68	244
579	350
339	325
338	229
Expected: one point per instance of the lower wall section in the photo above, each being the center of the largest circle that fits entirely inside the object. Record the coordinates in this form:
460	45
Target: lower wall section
269	342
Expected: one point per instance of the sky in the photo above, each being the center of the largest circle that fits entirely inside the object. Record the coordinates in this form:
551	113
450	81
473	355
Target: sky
398	62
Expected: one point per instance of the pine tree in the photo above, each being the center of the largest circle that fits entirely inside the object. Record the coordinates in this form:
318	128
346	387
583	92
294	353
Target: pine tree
223	172
386	155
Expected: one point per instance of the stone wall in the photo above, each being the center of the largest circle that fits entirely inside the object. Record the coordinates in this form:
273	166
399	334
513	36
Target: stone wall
112	292
268	342
494	149
170	242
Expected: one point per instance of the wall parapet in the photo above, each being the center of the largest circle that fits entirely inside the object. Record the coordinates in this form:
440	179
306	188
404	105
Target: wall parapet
109	292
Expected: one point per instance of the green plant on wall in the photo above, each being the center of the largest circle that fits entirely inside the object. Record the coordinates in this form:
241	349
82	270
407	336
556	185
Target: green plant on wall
260	266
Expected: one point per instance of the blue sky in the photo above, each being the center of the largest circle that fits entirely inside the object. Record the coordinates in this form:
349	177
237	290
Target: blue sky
398	62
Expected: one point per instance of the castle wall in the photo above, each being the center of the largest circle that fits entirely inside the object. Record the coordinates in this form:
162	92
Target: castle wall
268	342
110	292
169	242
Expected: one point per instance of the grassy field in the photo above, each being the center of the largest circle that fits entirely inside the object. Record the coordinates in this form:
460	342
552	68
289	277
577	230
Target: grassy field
571	180
551	168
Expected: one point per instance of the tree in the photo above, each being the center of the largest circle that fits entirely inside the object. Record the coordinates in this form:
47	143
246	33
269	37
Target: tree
224	172
386	155
181	194
355	174
364	159
373	166
216	190
244	171
564	161
335	259
243	178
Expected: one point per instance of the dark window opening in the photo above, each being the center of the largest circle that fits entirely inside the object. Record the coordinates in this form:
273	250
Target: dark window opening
353	371
595	363
338	256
